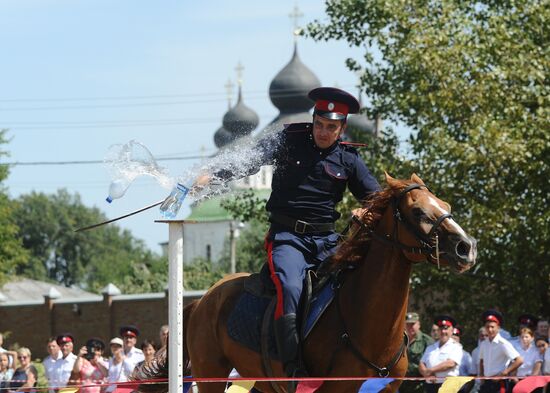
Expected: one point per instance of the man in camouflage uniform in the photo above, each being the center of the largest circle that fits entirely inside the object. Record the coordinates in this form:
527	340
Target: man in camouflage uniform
418	342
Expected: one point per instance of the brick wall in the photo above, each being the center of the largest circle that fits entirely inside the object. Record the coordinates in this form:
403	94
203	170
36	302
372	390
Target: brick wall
31	325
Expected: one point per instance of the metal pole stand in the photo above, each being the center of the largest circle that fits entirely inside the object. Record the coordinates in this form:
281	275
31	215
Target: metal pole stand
175	304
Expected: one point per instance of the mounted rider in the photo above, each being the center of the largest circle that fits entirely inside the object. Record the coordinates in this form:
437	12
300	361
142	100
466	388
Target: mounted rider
313	167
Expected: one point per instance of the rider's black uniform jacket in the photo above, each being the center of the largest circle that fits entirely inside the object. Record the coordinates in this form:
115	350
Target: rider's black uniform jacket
308	181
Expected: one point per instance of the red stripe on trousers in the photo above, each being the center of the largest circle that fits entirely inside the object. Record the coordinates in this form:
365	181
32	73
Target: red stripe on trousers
275	279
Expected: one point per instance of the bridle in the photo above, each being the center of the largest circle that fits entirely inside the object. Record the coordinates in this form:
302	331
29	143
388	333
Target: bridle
429	244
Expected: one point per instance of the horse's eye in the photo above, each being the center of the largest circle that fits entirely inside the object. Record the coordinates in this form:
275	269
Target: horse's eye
418	212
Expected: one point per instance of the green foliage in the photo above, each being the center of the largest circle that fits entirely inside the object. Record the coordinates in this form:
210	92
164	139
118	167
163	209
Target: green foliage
250	251
202	274
471	78
12	254
89	259
245	206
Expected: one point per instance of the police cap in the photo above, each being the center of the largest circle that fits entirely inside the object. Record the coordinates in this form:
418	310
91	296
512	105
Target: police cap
492	316
528	320
332	103
457	331
129	330
444	321
64	338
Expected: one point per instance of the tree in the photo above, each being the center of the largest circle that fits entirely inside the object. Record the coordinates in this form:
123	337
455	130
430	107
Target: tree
12	254
471	79
88	259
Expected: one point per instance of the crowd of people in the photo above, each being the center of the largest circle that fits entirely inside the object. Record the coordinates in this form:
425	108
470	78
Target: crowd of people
433	356
498	353
87	367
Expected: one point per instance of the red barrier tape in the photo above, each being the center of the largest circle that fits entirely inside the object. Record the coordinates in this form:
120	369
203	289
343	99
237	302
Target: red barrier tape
258	379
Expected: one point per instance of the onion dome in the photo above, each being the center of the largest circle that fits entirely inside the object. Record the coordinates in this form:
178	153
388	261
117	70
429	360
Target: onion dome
223	137
289	89
240	120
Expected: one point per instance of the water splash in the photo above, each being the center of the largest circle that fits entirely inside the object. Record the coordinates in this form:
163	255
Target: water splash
242	158
131	160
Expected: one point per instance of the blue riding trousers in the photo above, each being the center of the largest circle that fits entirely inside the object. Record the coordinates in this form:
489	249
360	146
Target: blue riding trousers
289	255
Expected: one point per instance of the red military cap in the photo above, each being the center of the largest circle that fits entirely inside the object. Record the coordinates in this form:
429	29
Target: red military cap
64	338
492	316
457	331
444	321
528	320
129	330
333	103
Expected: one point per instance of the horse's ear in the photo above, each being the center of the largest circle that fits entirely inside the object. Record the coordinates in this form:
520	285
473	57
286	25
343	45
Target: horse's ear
393	183
416	179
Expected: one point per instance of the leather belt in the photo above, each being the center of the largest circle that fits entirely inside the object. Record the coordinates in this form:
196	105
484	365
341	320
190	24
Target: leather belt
300	226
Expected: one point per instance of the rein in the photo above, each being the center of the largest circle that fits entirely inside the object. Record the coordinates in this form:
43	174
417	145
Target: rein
381	371
429	244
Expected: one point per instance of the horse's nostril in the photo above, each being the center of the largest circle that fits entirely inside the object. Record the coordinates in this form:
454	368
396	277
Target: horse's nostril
462	249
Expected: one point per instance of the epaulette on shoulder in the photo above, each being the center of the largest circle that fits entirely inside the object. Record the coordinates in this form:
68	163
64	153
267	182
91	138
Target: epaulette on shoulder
298	127
352	146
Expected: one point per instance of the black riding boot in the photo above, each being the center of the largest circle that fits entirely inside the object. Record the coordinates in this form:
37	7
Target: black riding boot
286	336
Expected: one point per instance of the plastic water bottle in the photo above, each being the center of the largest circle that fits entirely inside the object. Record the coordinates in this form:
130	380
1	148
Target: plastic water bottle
171	205
117	189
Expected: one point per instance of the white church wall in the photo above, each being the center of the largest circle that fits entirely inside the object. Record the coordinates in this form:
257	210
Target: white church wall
197	238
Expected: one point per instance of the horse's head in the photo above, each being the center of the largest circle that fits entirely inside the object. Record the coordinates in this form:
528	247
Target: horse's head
425	229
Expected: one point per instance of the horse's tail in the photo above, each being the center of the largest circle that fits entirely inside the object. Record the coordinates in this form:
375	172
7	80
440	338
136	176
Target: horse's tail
157	368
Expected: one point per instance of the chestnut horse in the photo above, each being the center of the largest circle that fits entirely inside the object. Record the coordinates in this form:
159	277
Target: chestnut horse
361	332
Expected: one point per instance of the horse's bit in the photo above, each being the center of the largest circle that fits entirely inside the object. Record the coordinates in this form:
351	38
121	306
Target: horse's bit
429	244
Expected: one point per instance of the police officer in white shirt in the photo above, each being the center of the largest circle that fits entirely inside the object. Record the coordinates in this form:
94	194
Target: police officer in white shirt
442	358
497	357
49	362
63	366
129	334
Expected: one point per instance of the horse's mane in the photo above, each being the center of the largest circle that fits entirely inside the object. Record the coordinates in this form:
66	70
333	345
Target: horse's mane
359	239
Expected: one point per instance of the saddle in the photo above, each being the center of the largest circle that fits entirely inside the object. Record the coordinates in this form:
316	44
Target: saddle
251	321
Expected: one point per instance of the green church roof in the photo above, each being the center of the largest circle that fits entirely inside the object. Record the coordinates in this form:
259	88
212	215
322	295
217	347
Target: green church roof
210	210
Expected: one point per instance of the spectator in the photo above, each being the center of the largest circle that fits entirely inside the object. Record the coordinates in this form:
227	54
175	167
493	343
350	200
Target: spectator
12	355
497	357
542	328
148	348
434	333
163	334
482	336
129	335
25	376
442	358
474	371
542	346
418	342
524	321
532	360
90	369
120	368
63	367
54	354
466	367
6	372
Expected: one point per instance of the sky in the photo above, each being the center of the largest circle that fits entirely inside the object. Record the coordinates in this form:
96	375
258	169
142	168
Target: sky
79	76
